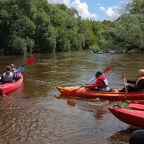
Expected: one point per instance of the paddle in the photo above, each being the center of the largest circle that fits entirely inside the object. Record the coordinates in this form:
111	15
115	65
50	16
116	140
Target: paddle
20	69
104	71
124	80
125	85
29	61
107	69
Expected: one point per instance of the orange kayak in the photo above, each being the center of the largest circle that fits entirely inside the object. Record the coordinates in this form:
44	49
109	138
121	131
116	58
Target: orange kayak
8	87
82	92
132	117
135	101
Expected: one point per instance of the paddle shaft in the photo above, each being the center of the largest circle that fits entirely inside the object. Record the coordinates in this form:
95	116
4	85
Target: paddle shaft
126	89
90	80
124	81
24	65
29	61
104	71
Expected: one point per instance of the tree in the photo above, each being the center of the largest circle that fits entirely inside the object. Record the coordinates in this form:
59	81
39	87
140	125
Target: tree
136	7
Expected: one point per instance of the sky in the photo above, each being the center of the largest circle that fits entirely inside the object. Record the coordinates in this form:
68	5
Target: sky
96	9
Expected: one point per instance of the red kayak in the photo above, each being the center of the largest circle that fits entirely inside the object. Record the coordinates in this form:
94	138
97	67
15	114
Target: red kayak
8	87
136	106
82	92
132	117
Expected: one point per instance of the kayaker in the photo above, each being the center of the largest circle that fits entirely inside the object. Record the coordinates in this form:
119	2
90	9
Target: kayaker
7	77
14	71
101	83
137	85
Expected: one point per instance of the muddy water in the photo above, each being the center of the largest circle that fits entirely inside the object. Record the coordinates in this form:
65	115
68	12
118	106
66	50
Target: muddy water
32	114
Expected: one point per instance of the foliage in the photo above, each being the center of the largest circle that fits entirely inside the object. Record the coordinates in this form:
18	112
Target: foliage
136	7
37	26
127	32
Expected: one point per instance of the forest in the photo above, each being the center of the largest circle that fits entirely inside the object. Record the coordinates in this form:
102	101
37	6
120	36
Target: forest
33	26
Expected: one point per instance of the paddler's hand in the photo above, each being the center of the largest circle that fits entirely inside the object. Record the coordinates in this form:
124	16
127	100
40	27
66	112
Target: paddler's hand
125	82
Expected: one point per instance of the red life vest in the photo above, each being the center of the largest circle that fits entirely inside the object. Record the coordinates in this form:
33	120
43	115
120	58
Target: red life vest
99	83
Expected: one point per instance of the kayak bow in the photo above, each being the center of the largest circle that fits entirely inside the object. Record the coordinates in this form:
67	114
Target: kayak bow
132	117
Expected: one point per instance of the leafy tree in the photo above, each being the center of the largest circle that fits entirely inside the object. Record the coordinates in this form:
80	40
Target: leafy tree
33	25
136	7
18	45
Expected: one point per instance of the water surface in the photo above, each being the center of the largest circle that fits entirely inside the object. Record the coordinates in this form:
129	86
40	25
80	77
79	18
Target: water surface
32	114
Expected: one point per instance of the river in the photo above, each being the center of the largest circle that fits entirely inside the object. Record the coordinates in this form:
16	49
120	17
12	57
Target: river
33	115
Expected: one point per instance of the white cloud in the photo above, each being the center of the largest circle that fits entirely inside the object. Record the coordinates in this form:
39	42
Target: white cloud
102	8
81	7
66	2
113	12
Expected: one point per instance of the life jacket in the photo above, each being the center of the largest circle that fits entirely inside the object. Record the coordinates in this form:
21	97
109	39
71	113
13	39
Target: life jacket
101	83
7	78
141	78
104	82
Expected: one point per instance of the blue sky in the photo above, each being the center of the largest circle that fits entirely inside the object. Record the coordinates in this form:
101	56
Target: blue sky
96	9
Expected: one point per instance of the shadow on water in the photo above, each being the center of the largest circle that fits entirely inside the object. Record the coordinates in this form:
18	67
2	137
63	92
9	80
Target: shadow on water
122	137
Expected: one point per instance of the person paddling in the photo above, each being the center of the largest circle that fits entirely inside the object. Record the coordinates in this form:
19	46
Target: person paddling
137	85
101	83
7	77
13	69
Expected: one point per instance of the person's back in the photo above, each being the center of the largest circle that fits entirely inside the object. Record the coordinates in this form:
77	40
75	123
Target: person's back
14	71
7	77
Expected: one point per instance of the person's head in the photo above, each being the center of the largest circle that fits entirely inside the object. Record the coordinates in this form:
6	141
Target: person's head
98	73
8	68
140	73
12	66
137	137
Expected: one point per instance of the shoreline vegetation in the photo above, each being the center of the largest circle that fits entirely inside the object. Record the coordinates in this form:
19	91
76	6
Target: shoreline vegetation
33	26
116	51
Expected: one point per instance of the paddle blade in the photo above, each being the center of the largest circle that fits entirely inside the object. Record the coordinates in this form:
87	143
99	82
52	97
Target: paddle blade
30	61
107	69
20	69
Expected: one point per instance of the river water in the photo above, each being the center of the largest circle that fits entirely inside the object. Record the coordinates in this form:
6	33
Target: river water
33	115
